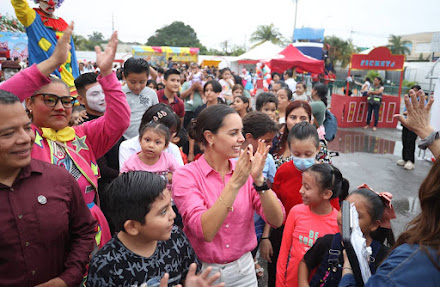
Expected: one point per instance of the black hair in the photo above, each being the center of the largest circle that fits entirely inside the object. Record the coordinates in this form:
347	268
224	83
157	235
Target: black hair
275	73
330	177
245	100
160	70
258	124
289	73
170	72
380	80
210	119
303	83
282	84
238	80
265	97
85	79
222	71
288	91
163	114
8	98
183	137
367	79
416	87
303	131
152	82
136	66
131	195
216	86
321	90
375	208
156	127
160	86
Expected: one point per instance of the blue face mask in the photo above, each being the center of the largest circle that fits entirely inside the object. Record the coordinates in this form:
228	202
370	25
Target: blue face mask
303	163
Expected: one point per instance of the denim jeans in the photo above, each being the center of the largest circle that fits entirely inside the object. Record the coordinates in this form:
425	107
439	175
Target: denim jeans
376	114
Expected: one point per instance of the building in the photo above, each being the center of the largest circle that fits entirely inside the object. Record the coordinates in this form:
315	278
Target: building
425	44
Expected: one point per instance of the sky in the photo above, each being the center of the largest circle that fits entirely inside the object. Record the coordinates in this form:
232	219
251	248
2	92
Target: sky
367	23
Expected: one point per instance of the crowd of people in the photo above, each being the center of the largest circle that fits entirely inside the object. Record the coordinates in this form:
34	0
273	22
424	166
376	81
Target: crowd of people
132	185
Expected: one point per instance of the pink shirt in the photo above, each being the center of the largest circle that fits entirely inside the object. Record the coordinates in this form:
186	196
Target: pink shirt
302	229
196	187
162	167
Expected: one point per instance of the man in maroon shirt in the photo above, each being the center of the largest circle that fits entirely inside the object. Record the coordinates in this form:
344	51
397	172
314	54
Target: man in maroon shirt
46	230
169	96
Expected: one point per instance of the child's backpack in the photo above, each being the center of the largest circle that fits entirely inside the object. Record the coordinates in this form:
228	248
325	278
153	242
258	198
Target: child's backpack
330	126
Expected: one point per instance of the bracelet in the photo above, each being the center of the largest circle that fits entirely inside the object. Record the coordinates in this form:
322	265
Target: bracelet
264	238
426	142
348	268
230	208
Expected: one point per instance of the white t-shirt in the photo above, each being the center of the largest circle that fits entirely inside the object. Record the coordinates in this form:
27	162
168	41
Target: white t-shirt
291	83
132	146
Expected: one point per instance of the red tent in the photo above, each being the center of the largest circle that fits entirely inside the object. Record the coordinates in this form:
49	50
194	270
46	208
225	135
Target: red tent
291	57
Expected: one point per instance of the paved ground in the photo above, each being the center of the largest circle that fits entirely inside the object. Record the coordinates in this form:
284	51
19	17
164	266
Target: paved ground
370	157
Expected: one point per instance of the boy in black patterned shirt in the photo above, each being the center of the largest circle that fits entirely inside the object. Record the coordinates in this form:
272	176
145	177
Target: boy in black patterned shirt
147	245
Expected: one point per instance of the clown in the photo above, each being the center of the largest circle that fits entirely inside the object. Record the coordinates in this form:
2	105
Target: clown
43	29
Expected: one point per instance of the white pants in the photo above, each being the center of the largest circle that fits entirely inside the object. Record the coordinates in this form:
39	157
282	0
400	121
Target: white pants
239	273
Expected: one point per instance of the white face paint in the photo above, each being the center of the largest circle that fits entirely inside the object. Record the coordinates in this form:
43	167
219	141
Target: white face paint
8	73
48	6
96	98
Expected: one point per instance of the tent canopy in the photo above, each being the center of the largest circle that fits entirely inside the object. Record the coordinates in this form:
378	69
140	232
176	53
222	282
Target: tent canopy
291	57
260	52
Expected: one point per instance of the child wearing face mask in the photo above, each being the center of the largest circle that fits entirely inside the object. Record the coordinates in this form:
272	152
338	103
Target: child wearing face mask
303	143
314	218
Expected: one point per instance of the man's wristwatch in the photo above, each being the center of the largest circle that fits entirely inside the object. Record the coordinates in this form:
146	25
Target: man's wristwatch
426	142
262	188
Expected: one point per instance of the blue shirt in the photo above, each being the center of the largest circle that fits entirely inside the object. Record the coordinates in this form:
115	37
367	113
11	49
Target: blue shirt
407	265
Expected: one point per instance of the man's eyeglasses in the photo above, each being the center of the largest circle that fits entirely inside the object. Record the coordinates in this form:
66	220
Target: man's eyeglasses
51	100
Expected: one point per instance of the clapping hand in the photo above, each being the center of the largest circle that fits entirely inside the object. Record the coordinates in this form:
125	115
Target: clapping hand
258	161
193	280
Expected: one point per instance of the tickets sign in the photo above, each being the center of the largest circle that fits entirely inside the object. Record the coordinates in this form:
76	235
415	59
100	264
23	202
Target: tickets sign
378	59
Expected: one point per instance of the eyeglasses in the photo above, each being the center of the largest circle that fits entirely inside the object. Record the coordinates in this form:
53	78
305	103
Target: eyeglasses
51	100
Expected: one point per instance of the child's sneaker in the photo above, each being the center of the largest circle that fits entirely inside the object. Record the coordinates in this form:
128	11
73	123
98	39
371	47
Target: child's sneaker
401	162
409	165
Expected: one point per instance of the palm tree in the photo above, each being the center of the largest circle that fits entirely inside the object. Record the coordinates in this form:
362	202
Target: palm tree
398	46
267	33
340	50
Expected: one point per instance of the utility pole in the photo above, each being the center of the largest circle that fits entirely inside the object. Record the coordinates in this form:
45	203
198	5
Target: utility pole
294	23
113	23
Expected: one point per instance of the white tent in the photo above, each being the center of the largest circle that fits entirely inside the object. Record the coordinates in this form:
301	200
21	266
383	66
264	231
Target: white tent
260	52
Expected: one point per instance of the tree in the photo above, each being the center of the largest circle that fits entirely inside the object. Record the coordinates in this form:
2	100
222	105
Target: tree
340	50
267	33
398	46
83	44
96	37
176	34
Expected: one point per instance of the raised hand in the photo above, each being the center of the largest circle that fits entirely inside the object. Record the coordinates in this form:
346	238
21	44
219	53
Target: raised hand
59	55
243	167
258	161
105	59
417	113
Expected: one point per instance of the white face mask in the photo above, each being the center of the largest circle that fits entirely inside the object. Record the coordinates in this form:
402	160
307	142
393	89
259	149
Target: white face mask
8	73
96	98
48	6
